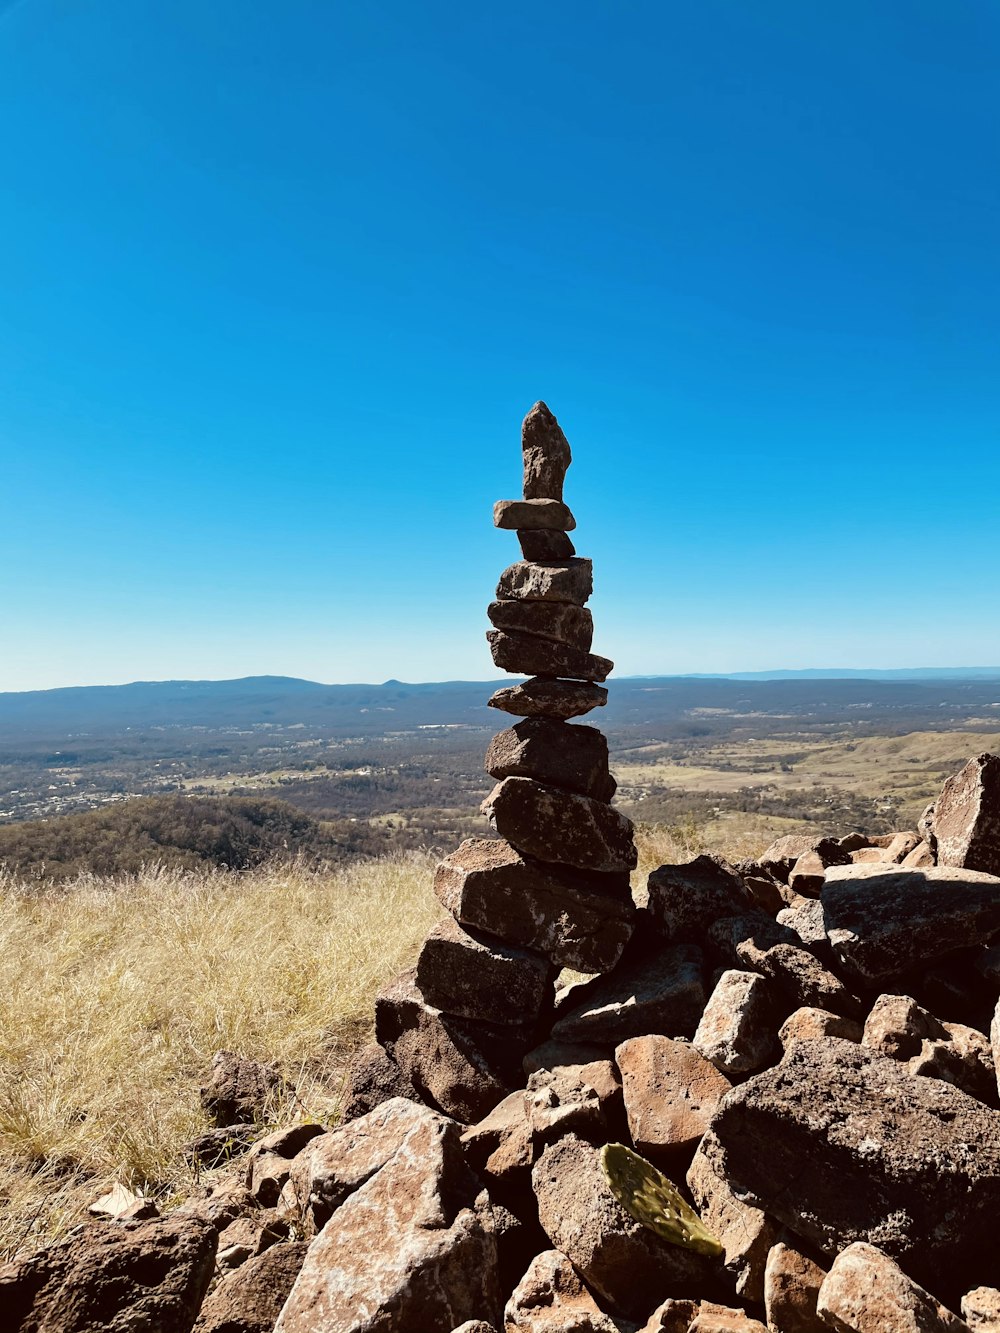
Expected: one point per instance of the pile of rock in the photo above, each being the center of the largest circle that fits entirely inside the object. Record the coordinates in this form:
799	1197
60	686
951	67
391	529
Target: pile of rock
805	1045
552	891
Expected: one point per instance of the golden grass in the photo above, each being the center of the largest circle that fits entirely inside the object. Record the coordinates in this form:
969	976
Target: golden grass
117	993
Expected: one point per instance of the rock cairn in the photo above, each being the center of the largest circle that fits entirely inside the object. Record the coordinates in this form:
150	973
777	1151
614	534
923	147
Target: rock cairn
553	890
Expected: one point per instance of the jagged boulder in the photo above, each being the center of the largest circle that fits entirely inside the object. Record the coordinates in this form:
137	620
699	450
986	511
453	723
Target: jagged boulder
403	1246
842	1145
884	920
118	1277
866	1292
966	819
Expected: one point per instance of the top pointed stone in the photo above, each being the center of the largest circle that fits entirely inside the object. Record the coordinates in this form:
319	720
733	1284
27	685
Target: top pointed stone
546	455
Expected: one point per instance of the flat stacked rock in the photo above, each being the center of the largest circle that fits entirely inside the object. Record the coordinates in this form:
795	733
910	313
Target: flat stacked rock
552	891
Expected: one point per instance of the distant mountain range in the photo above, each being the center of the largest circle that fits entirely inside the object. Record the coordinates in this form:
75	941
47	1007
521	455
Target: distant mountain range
364	710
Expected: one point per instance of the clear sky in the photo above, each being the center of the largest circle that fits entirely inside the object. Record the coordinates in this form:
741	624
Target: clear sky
279	280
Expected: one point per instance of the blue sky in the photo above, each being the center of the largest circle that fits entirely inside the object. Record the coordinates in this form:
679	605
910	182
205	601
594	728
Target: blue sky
280	281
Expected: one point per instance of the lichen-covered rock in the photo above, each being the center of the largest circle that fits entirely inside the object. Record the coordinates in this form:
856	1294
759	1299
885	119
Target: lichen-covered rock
554	825
549	698
967	817
736	1032
556	581
791	1290
662	993
527	655
884	920
800	979
576	919
866	1292
556	753
403	1248
117	1277
550	1298
684	900
460	1067
471	975
671	1093
900	1028
842	1145
631	1269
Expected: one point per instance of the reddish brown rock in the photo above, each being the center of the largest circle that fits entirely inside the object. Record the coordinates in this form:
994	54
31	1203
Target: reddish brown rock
791	1289
239	1089
807	875
684	900
559	1102
736	1032
554	825
807	1024
841	1145
967	817
920	858
250	1299
712	1318
575	758
780	857
901	1029
866	1292
575	919
550	1298
458	1066
117	1278
800	979
269	1161
747	1234
561	621
883	920
900	846
468	974
526	655
546	455
661	994
627	1265
671	1093
537	515
501	1145
673	1316
545	544
981	1309
549	698
249	1236
373	1077
402	1244
557	581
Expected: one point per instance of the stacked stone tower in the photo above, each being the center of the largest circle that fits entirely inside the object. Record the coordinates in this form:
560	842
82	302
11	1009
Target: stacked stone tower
553	890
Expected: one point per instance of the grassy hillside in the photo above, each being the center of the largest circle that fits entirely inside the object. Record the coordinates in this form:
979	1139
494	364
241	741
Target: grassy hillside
118	991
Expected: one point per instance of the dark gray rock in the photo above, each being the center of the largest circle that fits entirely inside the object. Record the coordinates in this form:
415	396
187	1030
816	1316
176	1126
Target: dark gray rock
555	753
468	974
844	1145
562	621
645	994
884	919
546	455
557	581
561	699
527	655
554	825
684	900
575	919
545	544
